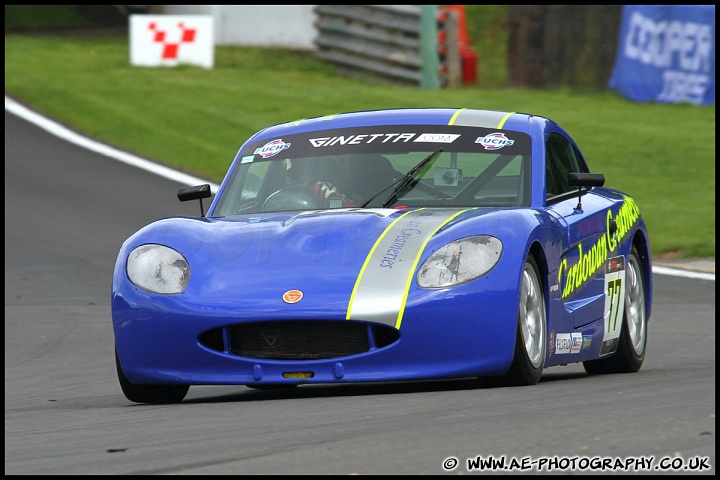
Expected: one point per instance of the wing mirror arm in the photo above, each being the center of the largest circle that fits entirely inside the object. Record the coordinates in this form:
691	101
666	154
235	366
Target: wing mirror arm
580	180
197	192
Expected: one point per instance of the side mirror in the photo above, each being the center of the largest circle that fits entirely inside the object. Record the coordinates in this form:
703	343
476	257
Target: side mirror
197	192
580	180
576	179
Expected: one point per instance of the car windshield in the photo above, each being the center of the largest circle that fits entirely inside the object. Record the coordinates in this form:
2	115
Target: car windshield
363	167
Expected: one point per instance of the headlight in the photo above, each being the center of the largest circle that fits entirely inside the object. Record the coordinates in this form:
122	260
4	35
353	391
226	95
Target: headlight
460	261
158	269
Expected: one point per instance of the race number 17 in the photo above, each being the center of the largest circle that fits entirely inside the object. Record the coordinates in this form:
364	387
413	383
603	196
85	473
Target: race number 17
614	303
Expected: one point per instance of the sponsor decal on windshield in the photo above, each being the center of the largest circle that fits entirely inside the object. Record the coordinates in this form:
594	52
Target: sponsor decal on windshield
272	148
494	141
436	138
377	138
362	139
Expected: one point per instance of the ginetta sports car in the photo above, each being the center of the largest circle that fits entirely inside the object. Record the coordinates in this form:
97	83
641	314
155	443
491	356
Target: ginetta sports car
389	245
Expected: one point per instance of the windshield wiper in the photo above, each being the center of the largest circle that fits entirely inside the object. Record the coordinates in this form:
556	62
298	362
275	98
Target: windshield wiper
403	181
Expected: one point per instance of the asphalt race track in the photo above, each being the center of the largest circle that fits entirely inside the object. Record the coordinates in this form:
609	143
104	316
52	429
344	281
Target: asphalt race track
67	211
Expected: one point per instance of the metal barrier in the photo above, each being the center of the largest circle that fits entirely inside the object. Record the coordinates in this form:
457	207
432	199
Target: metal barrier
395	43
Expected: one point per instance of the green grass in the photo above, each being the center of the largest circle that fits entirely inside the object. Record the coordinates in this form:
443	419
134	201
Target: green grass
196	119
43	16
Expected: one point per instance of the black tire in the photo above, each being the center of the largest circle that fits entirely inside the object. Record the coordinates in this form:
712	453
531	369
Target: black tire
632	344
529	355
153	394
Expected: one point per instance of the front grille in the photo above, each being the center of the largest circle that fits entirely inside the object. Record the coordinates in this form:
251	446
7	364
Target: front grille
299	339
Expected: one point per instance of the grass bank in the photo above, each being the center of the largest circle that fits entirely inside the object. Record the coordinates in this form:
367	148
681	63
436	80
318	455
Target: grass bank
195	119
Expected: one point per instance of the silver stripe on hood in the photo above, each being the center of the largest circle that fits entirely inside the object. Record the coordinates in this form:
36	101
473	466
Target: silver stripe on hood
381	288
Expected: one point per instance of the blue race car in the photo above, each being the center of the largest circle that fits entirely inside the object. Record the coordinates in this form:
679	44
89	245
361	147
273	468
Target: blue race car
388	245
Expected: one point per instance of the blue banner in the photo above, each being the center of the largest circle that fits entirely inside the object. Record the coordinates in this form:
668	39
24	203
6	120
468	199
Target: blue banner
666	54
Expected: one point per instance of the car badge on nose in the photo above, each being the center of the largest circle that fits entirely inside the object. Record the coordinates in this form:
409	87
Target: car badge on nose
292	296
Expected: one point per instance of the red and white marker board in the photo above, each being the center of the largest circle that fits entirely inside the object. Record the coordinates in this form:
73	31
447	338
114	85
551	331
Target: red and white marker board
171	40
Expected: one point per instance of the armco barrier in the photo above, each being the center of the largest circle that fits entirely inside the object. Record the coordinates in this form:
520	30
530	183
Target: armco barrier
395	43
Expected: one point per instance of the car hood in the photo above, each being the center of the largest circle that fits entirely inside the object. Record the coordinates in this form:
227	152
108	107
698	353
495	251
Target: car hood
254	259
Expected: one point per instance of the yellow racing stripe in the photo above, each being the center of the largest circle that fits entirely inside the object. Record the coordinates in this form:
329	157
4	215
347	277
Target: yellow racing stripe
367	260
381	289
414	266
454	117
502	122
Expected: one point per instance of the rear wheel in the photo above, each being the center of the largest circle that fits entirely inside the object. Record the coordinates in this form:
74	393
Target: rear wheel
155	394
630	353
529	354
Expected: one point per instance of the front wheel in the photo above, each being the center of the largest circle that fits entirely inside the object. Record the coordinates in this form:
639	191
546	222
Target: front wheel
630	352
529	355
153	394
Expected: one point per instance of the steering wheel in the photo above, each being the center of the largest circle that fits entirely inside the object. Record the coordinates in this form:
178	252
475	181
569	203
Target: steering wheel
294	197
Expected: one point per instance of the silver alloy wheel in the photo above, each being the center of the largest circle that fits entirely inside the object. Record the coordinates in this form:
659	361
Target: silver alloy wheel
635	305
532	316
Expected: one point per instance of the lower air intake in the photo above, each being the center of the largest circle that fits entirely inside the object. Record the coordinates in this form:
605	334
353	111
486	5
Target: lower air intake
300	339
